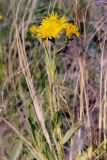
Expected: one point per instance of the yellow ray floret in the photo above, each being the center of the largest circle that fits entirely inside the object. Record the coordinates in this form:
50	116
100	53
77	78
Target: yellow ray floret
71	30
50	27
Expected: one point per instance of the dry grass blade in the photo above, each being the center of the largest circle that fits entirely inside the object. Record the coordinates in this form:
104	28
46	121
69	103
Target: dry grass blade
34	152
24	64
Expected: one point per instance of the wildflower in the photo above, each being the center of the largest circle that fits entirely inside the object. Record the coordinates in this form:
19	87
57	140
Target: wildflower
51	27
71	30
1	17
33	29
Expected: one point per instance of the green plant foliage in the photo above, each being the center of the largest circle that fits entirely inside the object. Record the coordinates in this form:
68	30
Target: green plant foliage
70	133
56	121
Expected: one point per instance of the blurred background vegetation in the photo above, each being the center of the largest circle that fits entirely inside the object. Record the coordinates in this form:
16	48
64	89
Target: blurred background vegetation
77	127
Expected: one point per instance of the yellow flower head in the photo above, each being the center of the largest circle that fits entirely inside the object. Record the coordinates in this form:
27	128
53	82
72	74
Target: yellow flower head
33	29
51	26
71	30
1	17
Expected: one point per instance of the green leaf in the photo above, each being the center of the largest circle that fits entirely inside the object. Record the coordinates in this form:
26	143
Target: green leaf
70	133
32	122
57	120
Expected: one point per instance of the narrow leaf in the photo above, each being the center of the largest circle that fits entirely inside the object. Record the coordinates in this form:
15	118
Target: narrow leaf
70	133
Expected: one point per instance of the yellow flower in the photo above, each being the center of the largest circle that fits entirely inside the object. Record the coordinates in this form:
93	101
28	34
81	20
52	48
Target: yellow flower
51	27
33	29
71	30
1	17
